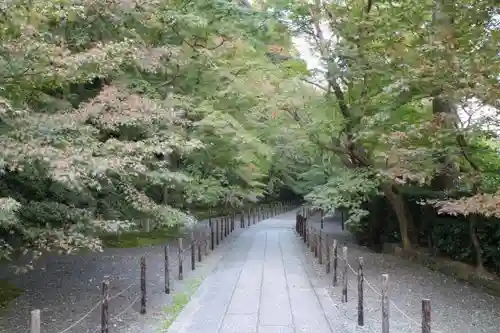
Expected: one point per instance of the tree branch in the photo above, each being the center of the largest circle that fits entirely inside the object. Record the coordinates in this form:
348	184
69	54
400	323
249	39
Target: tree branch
315	84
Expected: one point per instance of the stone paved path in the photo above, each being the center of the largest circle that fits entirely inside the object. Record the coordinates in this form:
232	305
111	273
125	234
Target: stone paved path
261	285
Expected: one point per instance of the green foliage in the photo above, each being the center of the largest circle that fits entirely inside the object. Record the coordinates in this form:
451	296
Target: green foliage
8	292
140	238
395	79
114	113
346	189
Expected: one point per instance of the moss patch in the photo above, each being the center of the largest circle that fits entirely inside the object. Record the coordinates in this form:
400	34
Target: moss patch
8	292
161	236
179	301
140	238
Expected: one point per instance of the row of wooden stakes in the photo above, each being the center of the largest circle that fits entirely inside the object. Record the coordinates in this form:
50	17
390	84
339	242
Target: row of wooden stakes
317	241
199	241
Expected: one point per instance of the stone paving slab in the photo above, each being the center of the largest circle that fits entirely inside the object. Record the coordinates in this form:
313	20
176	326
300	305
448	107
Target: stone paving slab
261	285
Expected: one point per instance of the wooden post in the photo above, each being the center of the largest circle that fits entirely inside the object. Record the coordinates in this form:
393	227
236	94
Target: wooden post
342	219
313	241
308	238
335	261
143	284
104	307
217	226
328	256
35	322
193	252
167	269
344	275
212	236
385	303
199	241
221	236
426	316
207	241
361	278
301	225
306	231
322	219
180	258
319	252
304	228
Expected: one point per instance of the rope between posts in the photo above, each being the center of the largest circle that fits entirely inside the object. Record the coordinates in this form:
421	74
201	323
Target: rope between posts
203	240
120	314
126	309
390	300
82	318
394	305
123	291
96	305
379	294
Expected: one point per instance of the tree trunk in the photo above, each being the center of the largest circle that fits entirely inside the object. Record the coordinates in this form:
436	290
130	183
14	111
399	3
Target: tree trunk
445	115
405	220
475	243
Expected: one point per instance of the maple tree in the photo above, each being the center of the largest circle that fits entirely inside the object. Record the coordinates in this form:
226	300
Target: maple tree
118	112
395	77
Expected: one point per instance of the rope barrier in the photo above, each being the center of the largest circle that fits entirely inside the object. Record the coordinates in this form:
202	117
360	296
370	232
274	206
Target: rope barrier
123	291
314	230
82	318
126	309
204	240
98	328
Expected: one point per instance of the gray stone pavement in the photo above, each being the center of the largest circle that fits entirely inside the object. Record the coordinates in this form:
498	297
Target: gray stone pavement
261	285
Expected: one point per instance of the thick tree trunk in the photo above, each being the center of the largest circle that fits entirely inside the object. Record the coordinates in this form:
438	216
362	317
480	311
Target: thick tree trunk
444	117
405	220
476	244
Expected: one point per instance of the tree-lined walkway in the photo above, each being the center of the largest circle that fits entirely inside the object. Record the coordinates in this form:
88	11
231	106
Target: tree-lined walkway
67	289
267	282
261	285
